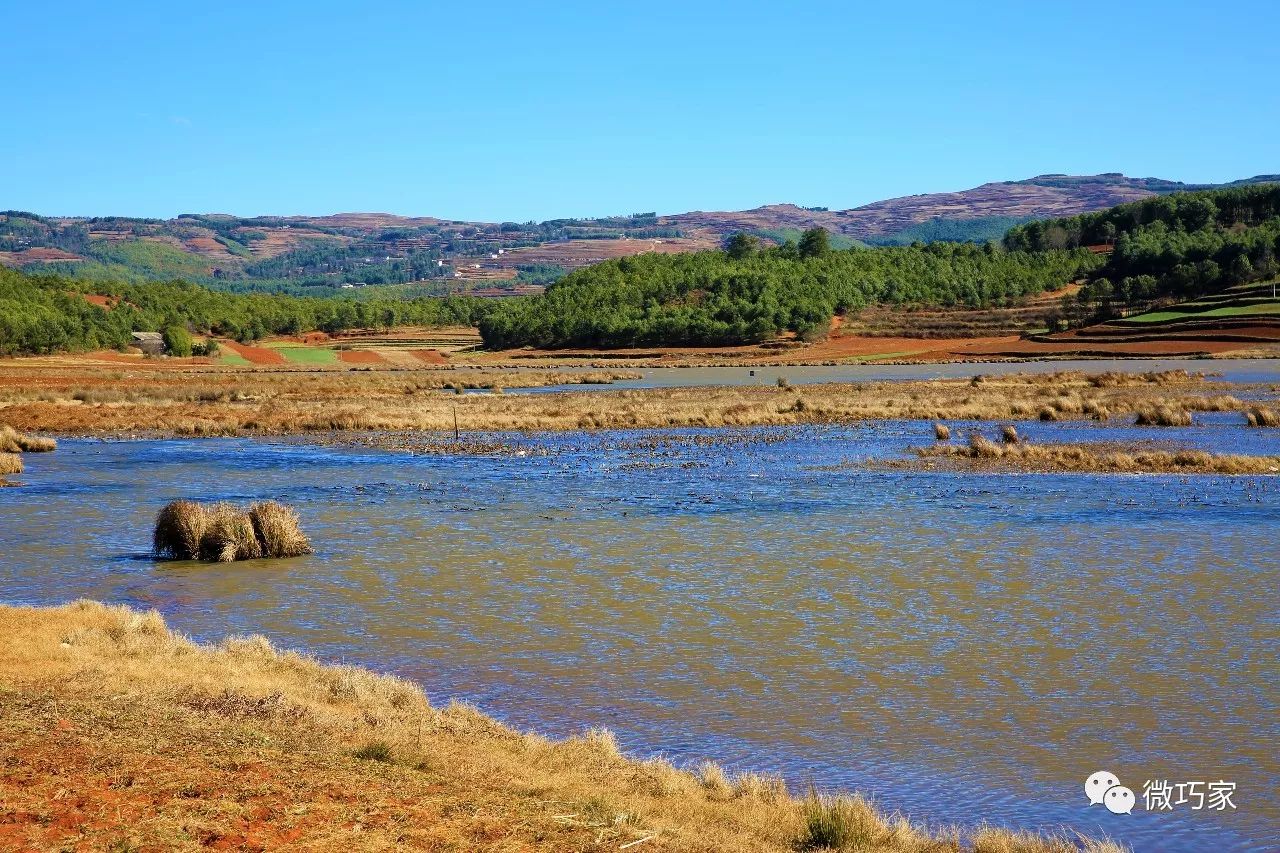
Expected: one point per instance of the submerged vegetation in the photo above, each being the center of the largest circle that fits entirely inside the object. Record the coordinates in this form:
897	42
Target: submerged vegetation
276	734
186	530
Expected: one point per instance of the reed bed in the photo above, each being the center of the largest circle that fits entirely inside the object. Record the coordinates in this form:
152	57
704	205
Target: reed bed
280	733
981	451
12	441
293	402
1261	417
1162	415
10	463
222	533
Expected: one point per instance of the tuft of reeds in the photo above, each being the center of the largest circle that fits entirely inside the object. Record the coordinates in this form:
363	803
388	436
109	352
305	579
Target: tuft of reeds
942	432
179	530
1009	434
1100	458
10	463
1260	417
12	441
375	750
277	530
230	536
186	530
840	822
982	447
1162	415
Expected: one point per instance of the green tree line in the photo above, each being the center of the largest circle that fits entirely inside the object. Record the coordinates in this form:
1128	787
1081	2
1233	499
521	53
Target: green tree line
1168	248
745	295
44	314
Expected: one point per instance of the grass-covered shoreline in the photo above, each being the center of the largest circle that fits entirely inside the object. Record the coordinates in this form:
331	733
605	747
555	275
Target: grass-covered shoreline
87	401
124	735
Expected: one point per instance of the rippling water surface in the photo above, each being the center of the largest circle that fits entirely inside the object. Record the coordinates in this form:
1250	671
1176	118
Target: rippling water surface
960	646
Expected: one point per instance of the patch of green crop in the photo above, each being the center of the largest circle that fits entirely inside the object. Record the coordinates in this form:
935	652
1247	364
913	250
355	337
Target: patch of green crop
306	355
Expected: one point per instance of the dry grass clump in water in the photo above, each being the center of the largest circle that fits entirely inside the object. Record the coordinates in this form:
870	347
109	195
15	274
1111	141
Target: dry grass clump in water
10	463
942	432
186	530
1162	415
1009	434
1260	417
278	531
92	689
1101	459
12	441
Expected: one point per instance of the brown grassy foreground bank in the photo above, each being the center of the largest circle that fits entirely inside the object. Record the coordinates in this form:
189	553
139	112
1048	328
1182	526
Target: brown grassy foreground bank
75	401
122	735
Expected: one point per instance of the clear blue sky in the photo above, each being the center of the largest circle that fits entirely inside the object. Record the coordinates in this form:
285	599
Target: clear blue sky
494	110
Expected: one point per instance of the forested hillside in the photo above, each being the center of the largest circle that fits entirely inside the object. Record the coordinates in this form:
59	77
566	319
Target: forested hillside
1170	247
43	314
746	295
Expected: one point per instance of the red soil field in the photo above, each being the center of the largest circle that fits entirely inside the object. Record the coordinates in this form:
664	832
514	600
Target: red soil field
360	356
255	355
430	356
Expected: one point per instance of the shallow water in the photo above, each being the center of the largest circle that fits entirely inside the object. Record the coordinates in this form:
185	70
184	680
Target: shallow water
962	647
1232	370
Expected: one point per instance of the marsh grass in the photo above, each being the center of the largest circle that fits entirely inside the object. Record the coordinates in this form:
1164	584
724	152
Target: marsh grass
942	432
302	402
1162	415
12	441
230	536
1098	458
1262	417
278	530
10	463
841	822
186	530
376	750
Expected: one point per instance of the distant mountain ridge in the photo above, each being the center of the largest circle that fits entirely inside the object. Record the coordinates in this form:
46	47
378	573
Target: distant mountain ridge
348	249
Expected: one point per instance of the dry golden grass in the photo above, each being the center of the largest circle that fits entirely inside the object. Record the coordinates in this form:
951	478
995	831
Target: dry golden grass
186	530
942	432
123	735
12	441
10	463
1262	417
277	529
1020	456
1162	415
290	402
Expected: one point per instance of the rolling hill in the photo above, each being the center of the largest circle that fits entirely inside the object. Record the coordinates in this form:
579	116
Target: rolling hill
301	253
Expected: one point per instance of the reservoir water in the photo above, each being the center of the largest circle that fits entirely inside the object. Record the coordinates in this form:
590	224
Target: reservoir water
960	647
